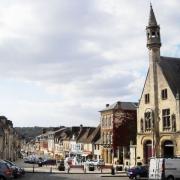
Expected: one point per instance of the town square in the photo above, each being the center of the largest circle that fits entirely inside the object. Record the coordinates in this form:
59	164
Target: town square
90	90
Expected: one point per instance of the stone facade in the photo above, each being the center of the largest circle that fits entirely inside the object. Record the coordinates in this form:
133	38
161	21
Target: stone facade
9	140
158	120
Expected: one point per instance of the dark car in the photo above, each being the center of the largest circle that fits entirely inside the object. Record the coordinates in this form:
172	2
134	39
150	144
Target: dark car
47	162
137	172
17	171
5	171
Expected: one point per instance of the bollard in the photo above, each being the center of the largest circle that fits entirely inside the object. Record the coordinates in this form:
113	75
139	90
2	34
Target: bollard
112	170
33	168
50	169
68	169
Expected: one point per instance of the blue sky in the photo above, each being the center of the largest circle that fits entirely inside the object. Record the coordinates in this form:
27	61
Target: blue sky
61	61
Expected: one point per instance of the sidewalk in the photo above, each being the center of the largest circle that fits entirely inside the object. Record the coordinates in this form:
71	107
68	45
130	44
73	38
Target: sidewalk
34	168
53	169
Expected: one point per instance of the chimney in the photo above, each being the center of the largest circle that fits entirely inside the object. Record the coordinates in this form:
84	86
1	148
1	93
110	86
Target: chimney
107	105
118	104
81	127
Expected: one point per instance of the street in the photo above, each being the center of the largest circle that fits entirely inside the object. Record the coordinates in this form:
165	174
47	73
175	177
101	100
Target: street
48	176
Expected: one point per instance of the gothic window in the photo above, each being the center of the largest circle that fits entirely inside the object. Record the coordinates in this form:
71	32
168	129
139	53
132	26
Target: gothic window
166	119
148	121
164	94
147	100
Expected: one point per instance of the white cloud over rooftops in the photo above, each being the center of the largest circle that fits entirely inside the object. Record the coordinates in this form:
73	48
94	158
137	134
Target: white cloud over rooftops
61	61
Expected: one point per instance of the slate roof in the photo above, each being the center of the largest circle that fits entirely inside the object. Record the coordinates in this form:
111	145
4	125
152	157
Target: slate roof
95	134
171	69
122	105
84	134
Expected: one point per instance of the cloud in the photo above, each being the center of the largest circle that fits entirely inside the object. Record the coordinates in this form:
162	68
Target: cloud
63	60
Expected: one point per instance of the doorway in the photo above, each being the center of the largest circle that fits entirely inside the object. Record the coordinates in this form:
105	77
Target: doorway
147	151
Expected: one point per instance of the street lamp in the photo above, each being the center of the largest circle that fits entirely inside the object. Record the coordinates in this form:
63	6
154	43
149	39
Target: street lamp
149	118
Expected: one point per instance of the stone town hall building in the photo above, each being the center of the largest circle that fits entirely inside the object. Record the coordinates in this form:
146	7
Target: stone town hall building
158	116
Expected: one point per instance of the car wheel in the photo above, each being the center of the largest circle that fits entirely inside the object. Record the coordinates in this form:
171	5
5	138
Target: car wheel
137	176
170	178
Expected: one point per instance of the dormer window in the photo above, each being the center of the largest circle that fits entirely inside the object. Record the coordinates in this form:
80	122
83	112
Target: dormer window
147	99
164	94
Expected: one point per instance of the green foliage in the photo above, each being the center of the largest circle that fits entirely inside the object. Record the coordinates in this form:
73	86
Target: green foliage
29	132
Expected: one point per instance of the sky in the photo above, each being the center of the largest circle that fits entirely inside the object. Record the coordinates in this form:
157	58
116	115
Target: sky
61	61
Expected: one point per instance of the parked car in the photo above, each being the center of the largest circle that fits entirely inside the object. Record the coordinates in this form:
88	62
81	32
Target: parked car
47	162
137	172
5	171
89	161
30	161
96	162
100	162
17	171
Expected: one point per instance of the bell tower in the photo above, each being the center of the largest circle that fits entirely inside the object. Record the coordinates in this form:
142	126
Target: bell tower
154	45
153	31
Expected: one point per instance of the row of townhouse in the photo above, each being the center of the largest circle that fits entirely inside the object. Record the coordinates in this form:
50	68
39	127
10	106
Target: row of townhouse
77	142
10	142
108	141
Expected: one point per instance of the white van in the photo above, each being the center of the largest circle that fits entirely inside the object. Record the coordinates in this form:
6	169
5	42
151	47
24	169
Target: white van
164	168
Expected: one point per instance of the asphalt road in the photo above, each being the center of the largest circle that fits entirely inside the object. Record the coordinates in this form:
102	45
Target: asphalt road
47	176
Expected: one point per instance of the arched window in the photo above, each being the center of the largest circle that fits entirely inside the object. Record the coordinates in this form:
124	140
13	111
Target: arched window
148	121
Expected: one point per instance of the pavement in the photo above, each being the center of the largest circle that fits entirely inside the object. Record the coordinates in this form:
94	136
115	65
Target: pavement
34	168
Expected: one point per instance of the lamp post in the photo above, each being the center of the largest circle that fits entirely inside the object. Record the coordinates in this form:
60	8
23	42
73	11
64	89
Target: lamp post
151	118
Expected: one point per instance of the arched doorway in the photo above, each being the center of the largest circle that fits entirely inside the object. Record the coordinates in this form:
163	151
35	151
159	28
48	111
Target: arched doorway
147	151
168	148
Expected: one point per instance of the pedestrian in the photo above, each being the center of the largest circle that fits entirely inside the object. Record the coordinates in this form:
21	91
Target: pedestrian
84	167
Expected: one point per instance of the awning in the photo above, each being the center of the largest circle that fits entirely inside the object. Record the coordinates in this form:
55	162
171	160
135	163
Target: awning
85	155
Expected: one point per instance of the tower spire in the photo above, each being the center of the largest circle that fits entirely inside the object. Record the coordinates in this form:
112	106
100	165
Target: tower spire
152	18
